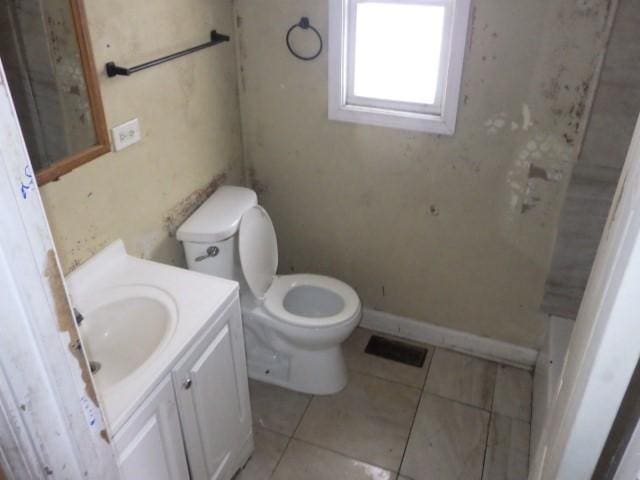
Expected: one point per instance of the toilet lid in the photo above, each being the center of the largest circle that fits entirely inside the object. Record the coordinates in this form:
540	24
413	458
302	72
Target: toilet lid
258	248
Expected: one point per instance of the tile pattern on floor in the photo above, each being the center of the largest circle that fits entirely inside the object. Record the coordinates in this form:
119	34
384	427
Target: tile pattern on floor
456	417
276	408
513	393
308	462
447	441
462	378
507	455
369	420
269	447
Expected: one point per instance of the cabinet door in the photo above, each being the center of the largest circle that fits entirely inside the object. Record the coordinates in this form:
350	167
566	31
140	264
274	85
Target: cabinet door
213	399
149	446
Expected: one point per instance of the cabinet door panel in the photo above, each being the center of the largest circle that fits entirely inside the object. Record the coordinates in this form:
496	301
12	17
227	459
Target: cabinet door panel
211	390
149	445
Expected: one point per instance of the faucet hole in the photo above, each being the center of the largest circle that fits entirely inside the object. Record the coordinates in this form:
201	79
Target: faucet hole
95	366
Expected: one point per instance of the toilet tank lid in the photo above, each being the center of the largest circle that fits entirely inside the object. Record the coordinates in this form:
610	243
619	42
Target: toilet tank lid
219	216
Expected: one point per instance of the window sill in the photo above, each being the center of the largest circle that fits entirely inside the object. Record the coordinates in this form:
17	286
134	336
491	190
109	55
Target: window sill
422	122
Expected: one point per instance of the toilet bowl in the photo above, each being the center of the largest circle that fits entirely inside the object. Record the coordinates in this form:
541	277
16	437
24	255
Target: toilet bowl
294	324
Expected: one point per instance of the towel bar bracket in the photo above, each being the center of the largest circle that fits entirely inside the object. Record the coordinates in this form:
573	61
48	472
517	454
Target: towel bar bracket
114	70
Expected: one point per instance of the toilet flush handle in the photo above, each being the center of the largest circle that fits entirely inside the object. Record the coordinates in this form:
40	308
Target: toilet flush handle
211	252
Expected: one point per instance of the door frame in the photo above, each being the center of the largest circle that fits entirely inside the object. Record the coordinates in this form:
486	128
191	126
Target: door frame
51	424
629	466
604	347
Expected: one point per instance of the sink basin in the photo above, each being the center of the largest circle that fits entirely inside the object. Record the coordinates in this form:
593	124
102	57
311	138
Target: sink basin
139	317
124	327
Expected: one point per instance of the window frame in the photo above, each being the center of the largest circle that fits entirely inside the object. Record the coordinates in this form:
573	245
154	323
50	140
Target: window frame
439	118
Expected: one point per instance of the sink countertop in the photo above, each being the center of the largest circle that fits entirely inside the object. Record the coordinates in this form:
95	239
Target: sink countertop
198	298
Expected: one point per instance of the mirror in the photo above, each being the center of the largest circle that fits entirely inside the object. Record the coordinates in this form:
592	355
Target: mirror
47	57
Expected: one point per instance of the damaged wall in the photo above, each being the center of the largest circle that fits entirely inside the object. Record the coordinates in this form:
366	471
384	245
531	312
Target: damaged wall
188	111
595	177
457	230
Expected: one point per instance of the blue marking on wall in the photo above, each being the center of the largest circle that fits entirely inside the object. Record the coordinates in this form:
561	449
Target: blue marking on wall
28	183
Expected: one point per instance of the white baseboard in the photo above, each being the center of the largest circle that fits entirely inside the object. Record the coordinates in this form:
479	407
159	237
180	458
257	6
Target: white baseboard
547	375
489	348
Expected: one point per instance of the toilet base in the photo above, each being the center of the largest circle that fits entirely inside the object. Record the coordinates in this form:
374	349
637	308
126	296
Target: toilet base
321	372
273	359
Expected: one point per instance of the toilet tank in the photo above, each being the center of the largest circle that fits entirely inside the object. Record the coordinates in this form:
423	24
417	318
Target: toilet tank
209	235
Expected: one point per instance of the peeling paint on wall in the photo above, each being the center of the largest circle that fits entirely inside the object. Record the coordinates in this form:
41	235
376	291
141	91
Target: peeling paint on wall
190	204
68	328
259	187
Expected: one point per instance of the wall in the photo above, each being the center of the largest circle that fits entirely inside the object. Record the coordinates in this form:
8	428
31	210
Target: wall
593	183
458	230
189	116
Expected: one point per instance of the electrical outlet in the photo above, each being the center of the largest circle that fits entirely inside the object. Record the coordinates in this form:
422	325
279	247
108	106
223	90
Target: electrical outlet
126	134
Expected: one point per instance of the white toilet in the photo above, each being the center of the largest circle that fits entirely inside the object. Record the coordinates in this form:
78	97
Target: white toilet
294	324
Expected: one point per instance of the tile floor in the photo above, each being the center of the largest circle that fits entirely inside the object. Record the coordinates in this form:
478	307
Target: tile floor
457	417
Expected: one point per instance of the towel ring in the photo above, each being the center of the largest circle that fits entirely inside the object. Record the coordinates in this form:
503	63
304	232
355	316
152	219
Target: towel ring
305	25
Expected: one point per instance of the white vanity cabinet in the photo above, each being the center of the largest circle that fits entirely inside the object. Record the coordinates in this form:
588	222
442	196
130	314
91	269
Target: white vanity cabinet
150	445
197	423
213	399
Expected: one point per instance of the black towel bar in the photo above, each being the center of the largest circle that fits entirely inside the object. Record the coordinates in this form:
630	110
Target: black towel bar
113	69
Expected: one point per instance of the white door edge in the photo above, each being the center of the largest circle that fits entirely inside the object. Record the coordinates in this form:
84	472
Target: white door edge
50	423
604	348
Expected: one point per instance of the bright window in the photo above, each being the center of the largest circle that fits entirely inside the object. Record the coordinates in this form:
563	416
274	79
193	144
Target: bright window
397	63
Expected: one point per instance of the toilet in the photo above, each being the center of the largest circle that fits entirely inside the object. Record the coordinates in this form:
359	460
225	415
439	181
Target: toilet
294	325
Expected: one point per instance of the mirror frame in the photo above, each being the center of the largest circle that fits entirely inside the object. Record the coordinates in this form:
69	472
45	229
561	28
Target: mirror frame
102	145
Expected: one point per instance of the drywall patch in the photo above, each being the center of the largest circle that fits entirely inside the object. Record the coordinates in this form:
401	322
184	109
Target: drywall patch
496	123
538	170
178	214
502	120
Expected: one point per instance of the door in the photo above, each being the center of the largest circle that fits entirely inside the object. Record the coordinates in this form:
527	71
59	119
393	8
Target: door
50	421
629	466
149	446
604	346
213	399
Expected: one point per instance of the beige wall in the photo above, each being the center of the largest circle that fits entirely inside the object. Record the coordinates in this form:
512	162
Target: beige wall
188	111
455	230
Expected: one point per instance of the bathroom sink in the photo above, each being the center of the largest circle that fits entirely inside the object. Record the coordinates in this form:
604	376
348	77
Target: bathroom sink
139	318
123	328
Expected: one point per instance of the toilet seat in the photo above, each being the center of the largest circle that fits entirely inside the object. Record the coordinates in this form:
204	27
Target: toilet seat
302	300
275	301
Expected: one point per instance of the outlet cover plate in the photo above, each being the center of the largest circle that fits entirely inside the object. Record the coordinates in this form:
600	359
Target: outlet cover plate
126	134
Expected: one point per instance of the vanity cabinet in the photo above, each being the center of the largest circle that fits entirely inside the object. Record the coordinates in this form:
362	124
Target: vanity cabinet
197	422
213	399
149	445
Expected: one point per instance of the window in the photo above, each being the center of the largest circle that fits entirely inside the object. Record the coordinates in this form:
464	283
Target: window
397	63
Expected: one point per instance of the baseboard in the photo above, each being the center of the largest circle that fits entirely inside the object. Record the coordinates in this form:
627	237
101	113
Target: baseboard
547	375
489	348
